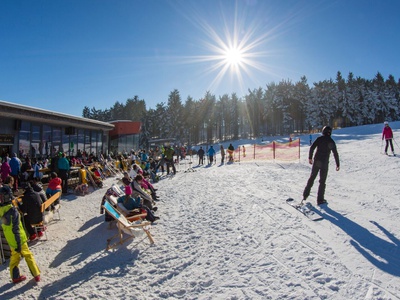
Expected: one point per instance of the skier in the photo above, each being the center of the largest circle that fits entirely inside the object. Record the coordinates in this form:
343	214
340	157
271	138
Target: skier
230	151
222	150
200	153
169	159
324	144
387	134
211	153
14	233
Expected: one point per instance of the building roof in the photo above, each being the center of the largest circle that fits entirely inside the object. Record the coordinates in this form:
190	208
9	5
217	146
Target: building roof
29	113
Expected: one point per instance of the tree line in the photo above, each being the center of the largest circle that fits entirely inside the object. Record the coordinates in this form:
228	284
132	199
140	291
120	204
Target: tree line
278	109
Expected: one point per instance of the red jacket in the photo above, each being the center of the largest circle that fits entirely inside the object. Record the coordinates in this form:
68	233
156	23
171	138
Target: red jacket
55	184
387	133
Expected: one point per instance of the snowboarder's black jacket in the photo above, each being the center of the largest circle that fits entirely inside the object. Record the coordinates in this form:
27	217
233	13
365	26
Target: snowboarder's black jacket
324	144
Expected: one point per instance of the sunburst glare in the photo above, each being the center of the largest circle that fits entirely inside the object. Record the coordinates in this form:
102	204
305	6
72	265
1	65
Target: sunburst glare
235	50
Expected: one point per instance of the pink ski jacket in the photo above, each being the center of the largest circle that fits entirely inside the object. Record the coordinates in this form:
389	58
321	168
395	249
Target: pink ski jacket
387	133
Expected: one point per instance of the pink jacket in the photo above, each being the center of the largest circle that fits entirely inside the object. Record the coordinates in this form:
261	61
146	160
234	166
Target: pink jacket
5	170
387	133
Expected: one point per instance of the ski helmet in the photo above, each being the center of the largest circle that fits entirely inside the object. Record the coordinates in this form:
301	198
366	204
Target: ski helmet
386	123
327	130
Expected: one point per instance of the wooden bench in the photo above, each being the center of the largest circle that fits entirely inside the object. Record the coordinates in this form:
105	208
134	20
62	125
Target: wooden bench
49	202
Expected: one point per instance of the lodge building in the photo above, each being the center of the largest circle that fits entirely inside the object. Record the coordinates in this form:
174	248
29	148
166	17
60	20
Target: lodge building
39	133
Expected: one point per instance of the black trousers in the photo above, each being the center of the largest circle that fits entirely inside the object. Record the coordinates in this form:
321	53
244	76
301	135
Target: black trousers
322	169
389	141
64	177
28	221
170	163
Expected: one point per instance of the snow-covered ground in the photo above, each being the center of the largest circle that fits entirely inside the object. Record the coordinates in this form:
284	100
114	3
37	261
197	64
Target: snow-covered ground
226	233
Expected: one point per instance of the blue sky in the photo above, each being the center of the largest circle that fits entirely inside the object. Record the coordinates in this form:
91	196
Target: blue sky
64	55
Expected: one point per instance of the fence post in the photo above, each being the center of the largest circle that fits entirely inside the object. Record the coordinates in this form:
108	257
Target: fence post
273	148
299	149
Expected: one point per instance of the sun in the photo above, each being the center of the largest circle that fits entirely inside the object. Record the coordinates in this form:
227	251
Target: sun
234	57
232	49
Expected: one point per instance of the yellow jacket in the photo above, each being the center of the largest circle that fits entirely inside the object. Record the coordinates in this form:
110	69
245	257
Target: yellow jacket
13	229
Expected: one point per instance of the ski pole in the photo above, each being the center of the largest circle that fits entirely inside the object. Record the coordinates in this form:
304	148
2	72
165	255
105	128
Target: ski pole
396	143
381	146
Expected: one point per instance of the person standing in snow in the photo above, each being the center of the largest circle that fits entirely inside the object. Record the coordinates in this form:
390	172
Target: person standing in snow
14	233
387	134
169	159
211	153
200	153
222	150
324	145
15	164
63	168
230	151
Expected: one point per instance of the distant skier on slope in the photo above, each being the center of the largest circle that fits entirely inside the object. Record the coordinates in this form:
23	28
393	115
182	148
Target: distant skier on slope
211	153
200	153
324	144
230	151
387	134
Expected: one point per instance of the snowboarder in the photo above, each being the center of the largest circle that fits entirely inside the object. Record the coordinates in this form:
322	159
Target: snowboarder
14	233
387	134
324	145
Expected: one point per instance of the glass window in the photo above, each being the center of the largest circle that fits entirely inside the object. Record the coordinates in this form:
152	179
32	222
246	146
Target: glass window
93	143
87	141
24	139
65	142
99	144
73	144
81	142
36	140
46	141
56	145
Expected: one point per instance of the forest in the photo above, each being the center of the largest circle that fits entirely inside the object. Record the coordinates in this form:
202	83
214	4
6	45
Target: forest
285	108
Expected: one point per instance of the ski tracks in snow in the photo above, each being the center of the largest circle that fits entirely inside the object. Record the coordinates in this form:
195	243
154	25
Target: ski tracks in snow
248	217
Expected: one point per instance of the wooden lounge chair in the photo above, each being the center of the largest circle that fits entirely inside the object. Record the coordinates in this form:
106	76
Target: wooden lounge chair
132	215
125	227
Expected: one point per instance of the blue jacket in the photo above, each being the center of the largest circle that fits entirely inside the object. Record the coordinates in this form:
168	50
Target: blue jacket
130	203
211	151
15	166
63	164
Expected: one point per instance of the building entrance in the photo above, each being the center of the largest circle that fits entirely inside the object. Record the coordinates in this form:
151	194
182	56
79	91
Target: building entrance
5	149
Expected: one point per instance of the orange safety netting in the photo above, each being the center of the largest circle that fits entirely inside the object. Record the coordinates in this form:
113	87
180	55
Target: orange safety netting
281	151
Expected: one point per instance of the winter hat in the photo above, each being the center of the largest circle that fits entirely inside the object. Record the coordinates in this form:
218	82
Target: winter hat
6	195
